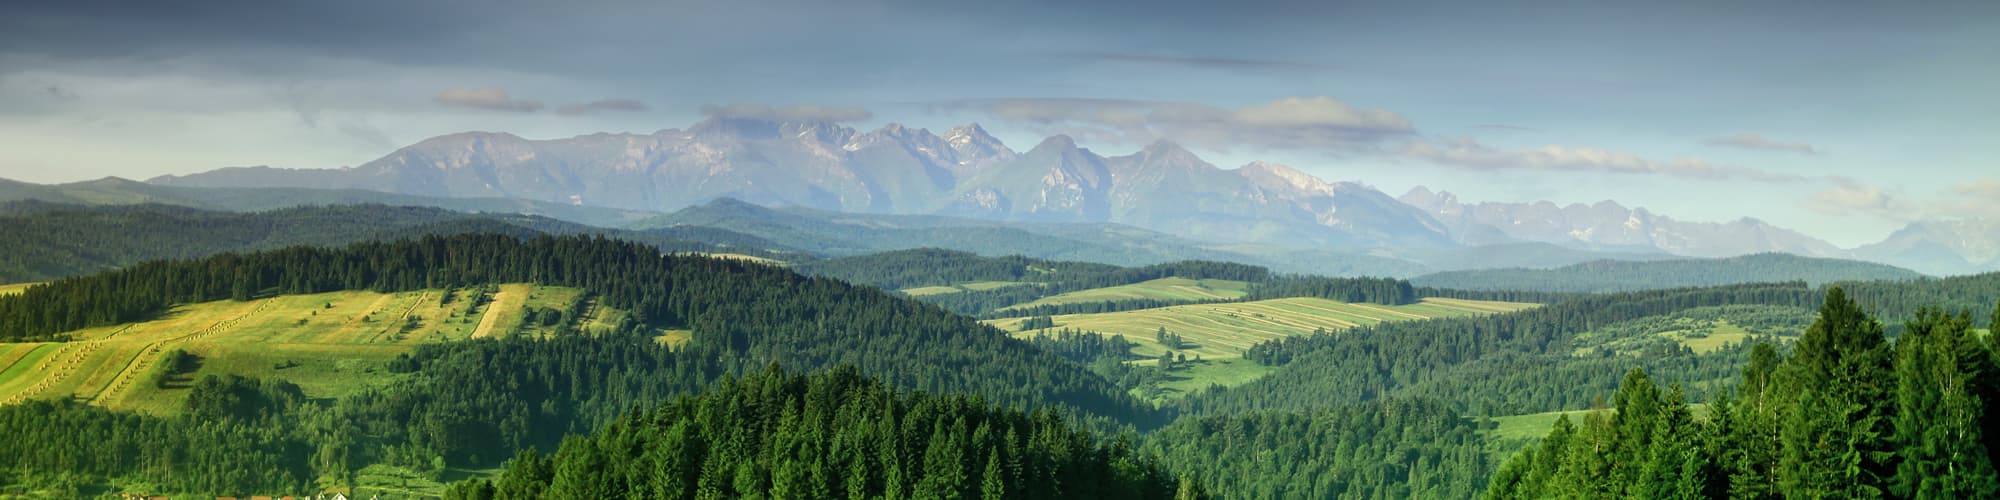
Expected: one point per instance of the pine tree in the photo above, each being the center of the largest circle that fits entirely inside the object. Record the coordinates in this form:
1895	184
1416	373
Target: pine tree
1938	436
993	481
1835	438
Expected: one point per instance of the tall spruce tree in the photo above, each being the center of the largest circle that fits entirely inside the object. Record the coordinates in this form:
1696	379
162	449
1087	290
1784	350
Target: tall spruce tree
1835	441
1938	438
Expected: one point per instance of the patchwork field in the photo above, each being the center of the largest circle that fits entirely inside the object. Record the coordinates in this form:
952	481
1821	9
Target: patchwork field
1180	289
1214	336
975	286
329	344
1719	334
1225	330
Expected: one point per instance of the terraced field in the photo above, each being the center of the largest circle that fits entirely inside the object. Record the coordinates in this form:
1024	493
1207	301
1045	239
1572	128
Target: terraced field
330	344
1180	289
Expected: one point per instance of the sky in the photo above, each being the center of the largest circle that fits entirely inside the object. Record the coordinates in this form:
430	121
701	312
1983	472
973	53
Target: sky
1844	120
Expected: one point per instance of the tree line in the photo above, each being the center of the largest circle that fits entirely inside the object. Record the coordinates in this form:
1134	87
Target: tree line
832	434
1845	414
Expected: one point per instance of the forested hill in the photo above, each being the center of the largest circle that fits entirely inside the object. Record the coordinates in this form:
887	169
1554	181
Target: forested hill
901	269
1620	276
1845	414
471	404
117	191
833	434
997	286
749	313
46	240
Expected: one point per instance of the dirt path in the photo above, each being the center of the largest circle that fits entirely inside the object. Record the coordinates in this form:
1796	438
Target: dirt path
492	315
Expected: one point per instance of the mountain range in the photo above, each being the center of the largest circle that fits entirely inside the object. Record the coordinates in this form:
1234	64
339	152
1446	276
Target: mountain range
968	173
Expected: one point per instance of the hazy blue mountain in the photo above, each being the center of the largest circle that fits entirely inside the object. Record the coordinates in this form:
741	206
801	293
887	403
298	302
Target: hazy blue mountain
1616	276
1268	210
1941	246
1608	225
890	170
812	164
116	191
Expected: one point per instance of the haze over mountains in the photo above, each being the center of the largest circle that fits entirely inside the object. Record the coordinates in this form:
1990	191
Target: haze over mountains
966	172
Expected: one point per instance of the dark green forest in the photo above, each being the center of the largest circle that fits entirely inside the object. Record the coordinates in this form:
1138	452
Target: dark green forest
1843	414
833	434
46	241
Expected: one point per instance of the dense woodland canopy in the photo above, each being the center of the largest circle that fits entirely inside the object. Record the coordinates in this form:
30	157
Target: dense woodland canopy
899	270
46	241
1381	449
833	434
1845	414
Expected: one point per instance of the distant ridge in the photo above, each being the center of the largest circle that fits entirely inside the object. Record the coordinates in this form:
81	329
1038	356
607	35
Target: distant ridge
967	172
1622	276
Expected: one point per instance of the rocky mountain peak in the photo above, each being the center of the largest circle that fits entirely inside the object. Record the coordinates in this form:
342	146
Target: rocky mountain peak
975	147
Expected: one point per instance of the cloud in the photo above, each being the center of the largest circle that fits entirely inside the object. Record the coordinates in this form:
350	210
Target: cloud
487	98
1203	62
58	92
1983	188
799	113
1852	197
1761	143
367	134
604	105
1468	153
1292	123
1979	198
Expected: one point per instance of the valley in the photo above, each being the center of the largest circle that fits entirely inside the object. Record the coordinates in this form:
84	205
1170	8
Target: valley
1036	250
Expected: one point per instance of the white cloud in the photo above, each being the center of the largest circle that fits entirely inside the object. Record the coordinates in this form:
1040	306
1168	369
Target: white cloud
803	112
487	98
1852	197
1979	198
1761	143
1292	123
1469	153
604	105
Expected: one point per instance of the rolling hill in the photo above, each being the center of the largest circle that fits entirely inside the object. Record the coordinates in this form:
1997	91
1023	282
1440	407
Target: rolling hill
47	240
330	344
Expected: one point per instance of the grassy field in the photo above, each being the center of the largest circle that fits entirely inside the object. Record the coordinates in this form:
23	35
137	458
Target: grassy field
1181	289
1217	334
330	344
975	286
14	288
1720	334
1513	431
